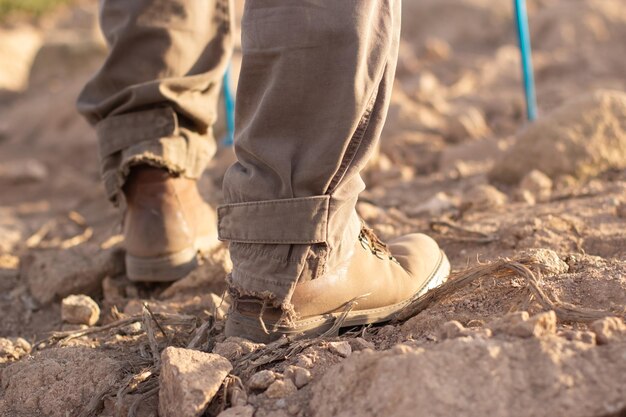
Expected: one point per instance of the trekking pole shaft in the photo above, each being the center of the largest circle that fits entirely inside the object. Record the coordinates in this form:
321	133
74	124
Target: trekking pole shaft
523	34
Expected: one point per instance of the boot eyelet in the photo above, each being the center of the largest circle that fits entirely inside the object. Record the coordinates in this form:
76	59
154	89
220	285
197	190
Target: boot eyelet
379	254
365	243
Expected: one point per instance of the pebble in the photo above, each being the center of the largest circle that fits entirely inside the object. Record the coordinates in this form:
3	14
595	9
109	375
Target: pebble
435	206
13	349
608	330
519	324
298	375
483	197
538	184
304	361
342	349
80	309
451	330
234	348
238	411
261	380
281	389
359	343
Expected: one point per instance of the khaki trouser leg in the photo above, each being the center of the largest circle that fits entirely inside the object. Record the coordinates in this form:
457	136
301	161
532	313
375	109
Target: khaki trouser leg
312	99
155	98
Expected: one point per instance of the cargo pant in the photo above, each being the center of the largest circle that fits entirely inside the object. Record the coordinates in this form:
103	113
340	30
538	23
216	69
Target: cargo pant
312	98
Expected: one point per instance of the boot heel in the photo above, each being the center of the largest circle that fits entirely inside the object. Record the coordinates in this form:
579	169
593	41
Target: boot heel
166	268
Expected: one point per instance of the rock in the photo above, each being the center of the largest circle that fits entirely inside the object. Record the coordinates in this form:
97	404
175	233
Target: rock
436	49
342	349
358	343
299	376
237	395
261	380
238	411
234	348
18	47
608	329
189	380
620	210
546	259
59	273
13	349
113	290
582	138
519	324
580	336
281	389
79	309
56	382
451	330
442	379
538	184
304	361
435	206
468	123
23	171
483	197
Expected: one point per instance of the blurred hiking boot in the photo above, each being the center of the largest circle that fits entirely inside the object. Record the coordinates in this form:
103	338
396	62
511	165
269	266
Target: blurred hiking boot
376	283
165	226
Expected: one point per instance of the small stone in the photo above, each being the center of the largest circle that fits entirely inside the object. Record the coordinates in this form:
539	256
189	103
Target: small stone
261	380
304	361
112	290
620	210
436	49
13	349
189	380
435	206
281	389
294	409
131	329
234	348
608	330
519	324
580	336
467	123
299	376
525	196
80	309
342	349
237	395
23	171
538	184
238	411
451	330
483	197
359	343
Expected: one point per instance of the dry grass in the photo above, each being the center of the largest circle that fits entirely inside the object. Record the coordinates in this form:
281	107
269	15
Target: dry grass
34	8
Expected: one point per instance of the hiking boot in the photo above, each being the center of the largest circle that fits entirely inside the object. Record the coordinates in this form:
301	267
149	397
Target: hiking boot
165	226
372	287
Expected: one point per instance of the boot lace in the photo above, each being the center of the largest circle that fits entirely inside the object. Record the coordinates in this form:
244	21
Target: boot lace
369	241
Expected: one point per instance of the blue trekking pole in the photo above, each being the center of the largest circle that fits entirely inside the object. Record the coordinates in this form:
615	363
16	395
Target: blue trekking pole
521	19
229	102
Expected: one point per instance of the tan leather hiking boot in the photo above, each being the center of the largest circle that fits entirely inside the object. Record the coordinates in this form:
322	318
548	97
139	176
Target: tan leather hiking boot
375	284
165	226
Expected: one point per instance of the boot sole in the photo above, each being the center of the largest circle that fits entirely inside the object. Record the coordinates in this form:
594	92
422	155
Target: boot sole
315	326
167	268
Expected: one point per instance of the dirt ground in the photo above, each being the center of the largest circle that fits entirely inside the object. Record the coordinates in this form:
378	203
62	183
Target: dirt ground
532	217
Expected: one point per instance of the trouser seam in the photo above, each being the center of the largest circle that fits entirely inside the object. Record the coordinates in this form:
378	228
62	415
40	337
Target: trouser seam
355	142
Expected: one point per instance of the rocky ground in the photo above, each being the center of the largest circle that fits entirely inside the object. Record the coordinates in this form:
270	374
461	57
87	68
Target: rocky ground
533	218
